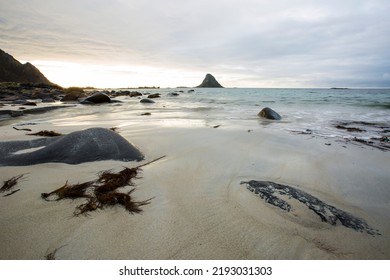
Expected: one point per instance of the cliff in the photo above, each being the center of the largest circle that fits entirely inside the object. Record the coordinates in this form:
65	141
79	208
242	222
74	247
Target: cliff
12	70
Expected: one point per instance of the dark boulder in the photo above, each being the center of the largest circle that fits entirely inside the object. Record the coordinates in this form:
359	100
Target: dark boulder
94	144
154	95
270	114
73	95
146	101
210	82
135	94
97	98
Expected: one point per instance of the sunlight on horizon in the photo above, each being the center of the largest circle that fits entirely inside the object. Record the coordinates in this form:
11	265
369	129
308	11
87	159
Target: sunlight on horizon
69	74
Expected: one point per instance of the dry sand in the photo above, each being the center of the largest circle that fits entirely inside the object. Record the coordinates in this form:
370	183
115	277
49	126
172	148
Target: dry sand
199	209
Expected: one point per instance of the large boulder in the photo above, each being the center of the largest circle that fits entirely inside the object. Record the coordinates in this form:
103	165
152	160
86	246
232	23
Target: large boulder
210	82
270	114
88	145
96	98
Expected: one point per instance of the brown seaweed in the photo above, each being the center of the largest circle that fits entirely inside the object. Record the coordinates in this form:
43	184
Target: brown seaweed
25	129
69	191
52	255
11	193
103	191
10	183
46	133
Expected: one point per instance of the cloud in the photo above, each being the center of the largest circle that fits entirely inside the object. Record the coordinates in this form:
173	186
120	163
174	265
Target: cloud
247	42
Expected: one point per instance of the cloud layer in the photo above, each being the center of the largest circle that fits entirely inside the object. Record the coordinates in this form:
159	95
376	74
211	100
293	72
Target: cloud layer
295	43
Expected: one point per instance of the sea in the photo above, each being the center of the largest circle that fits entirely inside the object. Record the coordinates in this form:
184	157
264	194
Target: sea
331	113
344	113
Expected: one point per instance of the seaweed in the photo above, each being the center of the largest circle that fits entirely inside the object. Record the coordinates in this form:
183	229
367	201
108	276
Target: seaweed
10	183
46	133
103	192
25	129
52	255
11	193
69	191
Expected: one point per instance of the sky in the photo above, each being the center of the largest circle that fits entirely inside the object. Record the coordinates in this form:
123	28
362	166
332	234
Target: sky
170	43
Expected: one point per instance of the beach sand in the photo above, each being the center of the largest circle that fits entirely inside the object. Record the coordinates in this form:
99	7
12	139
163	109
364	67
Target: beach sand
199	208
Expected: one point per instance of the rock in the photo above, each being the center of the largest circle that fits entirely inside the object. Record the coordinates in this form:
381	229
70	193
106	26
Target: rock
37	110
154	95
191	90
73	94
12	70
146	100
48	100
30	103
97	98
173	94
271	192
270	114
210	82
94	144
135	94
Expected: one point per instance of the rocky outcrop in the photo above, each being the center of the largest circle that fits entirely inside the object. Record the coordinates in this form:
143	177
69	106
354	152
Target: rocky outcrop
12	70
210	82
270	114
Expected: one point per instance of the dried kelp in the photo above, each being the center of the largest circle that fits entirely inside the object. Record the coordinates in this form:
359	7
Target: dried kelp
46	133
10	183
102	192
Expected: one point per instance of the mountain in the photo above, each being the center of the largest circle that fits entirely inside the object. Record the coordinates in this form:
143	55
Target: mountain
210	82
12	70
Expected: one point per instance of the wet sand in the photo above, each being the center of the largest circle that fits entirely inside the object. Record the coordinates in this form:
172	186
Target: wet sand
199	208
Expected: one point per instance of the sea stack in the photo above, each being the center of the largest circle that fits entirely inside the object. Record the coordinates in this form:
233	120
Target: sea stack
12	70
210	82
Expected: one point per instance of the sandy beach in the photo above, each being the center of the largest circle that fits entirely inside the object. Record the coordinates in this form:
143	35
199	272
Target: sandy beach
199	208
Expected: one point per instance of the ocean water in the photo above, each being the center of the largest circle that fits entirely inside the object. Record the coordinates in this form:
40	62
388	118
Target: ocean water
316	110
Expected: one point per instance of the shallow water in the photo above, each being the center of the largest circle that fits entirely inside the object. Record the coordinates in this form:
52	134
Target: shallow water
318	111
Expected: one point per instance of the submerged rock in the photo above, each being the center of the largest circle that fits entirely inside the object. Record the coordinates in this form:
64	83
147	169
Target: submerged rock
94	144
271	192
270	114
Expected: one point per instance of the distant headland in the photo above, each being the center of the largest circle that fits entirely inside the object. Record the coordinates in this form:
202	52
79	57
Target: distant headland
210	82
11	70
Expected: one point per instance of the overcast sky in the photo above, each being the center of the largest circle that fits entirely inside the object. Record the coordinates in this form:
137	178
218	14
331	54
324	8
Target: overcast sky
243	43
